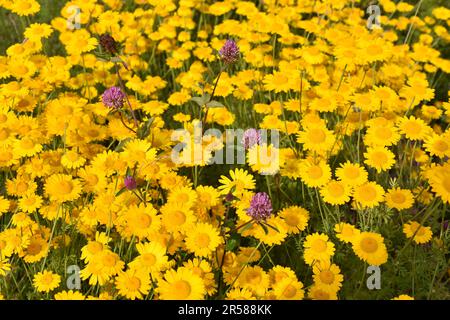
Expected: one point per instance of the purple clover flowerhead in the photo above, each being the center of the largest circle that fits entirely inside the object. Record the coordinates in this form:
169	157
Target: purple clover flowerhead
229	52
113	97
130	183
251	137
260	207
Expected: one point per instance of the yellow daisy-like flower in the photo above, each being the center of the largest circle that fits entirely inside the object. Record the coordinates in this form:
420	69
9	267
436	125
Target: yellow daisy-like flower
370	247
352	174
419	233
346	232
61	187
30	202
4	205
177	217
25	7
69	295
255	279
403	297
317	292
72	160
5	266
46	281
316	138
315	174
181	284
327	275
295	219
133	284
336	192
380	158
152	257
240	181
37	31
289	289
438	145
264	159
202	239
413	128
399	199
182	195
141	220
368	195
317	248
240	294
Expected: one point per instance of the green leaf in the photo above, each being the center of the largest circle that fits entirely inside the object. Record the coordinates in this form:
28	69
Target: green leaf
271	227
266	231
122	144
144	130
214	104
121	191
232	244
246	227
201	101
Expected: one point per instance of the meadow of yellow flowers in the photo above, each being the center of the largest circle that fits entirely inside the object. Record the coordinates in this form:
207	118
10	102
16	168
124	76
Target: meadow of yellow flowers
200	149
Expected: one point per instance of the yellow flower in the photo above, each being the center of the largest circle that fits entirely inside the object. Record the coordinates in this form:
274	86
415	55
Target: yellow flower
317	248
62	188
289	289
239	182
380	158
5	266
133	284
327	275
69	295
403	297
152	257
346	232
419	233
25	7
317	292
255	279
141	220
399	199
370	247
316	138
315	174
336	192
295	219
181	284
368	195
177	217
202	239
46	281
413	128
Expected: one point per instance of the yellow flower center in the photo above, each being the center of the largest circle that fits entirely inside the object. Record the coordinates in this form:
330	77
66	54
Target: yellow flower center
315	172
367	193
65	187
202	240
149	259
133	284
327	277
182	289
369	245
292	220
316	136
441	146
178	218
319	245
336	190
290	291
398	197
253	277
